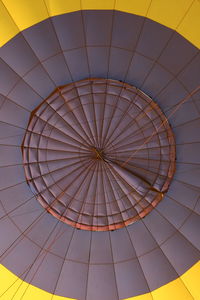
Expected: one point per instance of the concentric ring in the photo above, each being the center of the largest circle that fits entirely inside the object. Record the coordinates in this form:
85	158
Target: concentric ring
98	154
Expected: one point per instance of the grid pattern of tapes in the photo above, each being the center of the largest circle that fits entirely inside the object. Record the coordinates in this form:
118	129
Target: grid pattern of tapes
137	259
99	154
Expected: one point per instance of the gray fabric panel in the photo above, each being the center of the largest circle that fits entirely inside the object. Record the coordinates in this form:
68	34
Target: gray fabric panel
180	253
57	69
157	269
152	39
21	194
8	78
183	194
40	81
174	63
41	230
19	55
197	207
61	244
98	61
188	174
151	86
72	281
138	70
101	283
33	211
142	239
191	230
69	30
130	279
188	153
123	250
186	113
186	133
8	234
82	253
10	155
10	176
171	95
190	75
175	213
196	100
2	99
49	264
154	221
29	250
25	96
97	27
119	62
42	39
10	134
126	30
101	252
78	63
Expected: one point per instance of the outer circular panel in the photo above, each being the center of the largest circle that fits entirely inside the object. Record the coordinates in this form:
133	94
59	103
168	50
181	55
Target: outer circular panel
167	78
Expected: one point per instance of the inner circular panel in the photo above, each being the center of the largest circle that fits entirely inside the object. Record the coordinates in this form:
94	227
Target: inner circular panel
99	154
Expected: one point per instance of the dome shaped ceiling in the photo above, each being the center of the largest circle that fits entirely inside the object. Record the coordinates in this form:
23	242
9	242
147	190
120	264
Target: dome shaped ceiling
97	94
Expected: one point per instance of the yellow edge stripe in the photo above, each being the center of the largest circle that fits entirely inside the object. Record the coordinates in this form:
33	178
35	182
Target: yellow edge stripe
179	289
180	15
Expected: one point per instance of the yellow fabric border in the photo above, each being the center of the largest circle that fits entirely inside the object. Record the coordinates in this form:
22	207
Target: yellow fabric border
186	287
180	15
